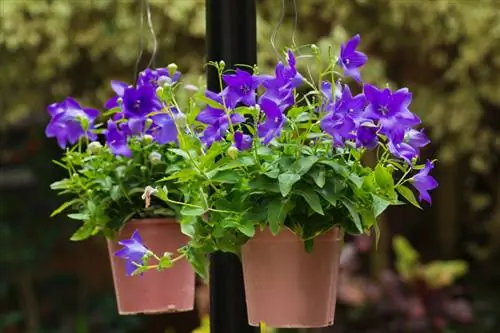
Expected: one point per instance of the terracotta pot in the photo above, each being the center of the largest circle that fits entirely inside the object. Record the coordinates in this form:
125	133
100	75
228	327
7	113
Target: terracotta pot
171	290
288	287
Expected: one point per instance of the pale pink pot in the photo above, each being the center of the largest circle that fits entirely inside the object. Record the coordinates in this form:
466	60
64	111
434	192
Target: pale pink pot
171	290
286	286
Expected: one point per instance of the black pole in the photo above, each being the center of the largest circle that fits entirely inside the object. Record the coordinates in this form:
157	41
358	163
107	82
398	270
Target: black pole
230	36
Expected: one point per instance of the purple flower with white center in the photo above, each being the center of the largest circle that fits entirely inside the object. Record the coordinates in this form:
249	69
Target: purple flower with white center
116	139
366	135
351	60
275	119
391	111
338	126
218	124
153	77
241	87
242	141
69	122
163	129
119	89
424	183
133	252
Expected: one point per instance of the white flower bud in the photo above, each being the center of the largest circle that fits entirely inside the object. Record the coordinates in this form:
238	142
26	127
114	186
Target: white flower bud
180	120
172	68
94	147
232	152
155	157
147	138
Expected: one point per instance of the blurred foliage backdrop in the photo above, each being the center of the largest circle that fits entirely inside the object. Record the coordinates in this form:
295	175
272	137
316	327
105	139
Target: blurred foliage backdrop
446	51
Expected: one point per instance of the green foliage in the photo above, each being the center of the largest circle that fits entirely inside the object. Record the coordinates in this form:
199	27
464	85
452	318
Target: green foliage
104	191
436	274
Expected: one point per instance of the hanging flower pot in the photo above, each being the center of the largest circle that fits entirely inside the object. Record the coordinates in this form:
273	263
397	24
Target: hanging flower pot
288	287
170	290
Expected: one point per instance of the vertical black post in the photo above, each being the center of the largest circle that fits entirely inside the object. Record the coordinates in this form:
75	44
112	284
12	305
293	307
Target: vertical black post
230	36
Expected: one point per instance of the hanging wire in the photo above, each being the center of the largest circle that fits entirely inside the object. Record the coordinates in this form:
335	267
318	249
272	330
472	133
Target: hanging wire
277	28
153	35
141	42
294	43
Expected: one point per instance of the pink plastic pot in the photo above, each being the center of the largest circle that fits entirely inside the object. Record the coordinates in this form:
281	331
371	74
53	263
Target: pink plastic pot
288	287
171	290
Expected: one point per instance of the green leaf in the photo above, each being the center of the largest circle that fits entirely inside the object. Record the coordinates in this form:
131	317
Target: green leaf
61	184
227	176
318	175
180	152
192	211
79	216
84	232
115	193
276	214
354	213
408	195
64	206
303	165
209	101
379	205
286	182
248	229
312	199
384	177
263	183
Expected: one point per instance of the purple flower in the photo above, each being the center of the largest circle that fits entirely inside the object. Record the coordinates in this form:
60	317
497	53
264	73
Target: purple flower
275	119
119	88
68	120
139	102
351	60
353	107
241	87
133	251
366	135
280	88
338	126
416	139
116	139
391	111
402	150
423	182
163	129
218	124
153	76
242	141
328	95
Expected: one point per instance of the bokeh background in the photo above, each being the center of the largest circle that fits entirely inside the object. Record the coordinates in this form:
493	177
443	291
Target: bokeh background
446	52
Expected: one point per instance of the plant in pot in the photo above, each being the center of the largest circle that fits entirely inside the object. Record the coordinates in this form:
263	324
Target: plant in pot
278	168
106	185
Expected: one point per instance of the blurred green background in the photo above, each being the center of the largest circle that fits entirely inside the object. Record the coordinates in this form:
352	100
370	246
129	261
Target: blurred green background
446	52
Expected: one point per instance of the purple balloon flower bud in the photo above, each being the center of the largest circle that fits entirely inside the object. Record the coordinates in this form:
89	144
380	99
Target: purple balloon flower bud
69	122
133	252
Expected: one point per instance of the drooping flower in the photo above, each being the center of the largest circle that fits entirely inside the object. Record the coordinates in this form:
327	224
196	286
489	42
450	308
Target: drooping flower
351	60
133	252
218	124
423	182
116	139
241	87
242	141
390	110
119	89
154	77
275	119
69	122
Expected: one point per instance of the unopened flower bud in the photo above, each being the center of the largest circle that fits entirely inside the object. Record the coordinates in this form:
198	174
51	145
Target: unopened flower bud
172	68
159	90
155	157
180	120
222	65
191	87
119	100
94	147
164	82
232	152
314	49
148	124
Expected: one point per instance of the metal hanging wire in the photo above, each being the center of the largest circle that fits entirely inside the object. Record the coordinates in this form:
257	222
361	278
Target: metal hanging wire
145	10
